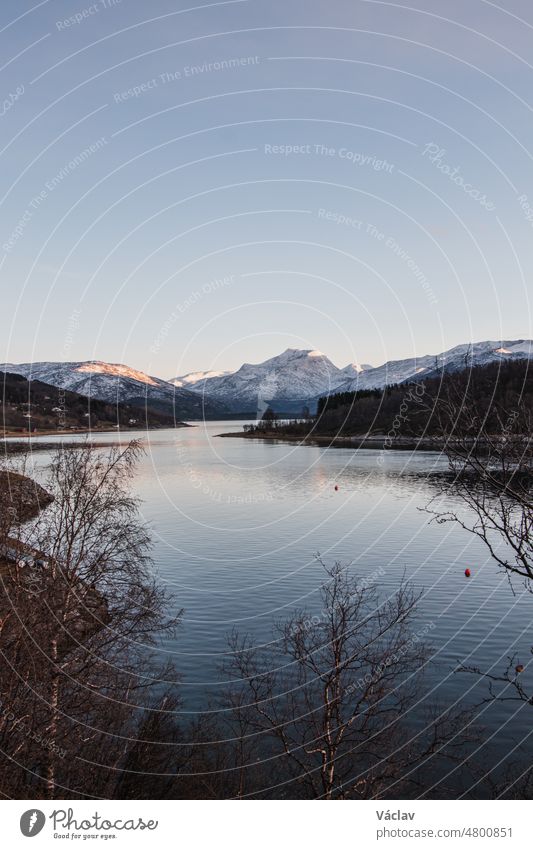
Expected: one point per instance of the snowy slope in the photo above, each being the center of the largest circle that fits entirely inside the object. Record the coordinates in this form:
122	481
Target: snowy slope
189	380
294	374
460	357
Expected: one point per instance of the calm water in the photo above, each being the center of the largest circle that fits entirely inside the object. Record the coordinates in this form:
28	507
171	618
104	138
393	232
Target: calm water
237	526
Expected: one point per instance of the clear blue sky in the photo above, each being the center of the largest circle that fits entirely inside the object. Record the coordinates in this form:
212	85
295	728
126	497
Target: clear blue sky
190	186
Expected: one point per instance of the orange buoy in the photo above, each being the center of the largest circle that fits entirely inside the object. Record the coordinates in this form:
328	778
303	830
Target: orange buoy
336	488
519	669
467	573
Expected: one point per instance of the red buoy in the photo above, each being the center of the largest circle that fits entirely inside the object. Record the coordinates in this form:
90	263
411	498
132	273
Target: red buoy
467	573
336	488
519	669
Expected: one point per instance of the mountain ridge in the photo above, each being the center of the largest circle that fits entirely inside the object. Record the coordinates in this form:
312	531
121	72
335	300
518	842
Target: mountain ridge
289	381
453	359
301	376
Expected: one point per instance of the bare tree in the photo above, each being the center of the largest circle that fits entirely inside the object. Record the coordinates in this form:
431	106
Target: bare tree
486	434
78	682
489	446
326	701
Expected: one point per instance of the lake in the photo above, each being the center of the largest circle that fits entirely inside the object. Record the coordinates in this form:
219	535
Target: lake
237	526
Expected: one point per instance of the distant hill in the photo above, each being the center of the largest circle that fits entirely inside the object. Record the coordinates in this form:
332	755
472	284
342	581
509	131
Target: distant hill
116	383
37	406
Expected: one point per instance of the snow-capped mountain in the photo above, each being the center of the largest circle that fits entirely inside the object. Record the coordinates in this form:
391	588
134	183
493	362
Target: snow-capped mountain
113	382
289	381
294	375
188	380
298	377
455	359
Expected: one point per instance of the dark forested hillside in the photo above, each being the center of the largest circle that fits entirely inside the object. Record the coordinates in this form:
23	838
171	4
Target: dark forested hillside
489	394
30	405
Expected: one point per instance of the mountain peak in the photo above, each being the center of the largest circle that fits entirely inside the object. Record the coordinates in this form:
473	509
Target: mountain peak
294	374
353	369
290	353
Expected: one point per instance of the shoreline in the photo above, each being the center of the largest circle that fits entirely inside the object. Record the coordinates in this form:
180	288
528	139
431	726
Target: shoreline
379	443
13	442
13	434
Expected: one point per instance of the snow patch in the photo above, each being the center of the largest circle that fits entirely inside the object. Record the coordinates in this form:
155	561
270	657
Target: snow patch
116	370
196	377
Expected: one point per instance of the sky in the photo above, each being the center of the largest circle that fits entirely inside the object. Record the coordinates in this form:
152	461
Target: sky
189	186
